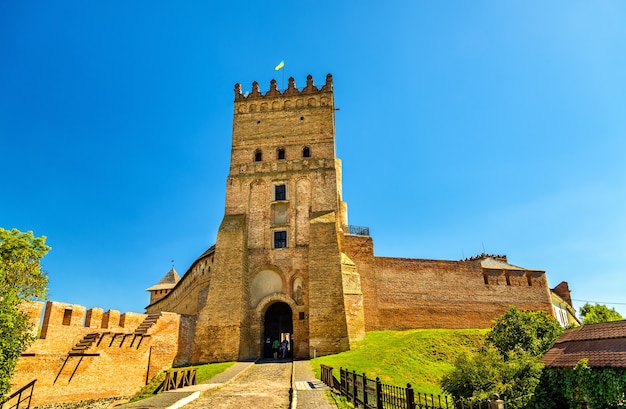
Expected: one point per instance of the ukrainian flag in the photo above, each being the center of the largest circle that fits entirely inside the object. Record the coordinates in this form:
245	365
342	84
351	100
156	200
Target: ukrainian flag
279	66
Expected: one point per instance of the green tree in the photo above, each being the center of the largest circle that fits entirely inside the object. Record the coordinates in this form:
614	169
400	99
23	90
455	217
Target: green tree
529	331
593	314
509	363
21	280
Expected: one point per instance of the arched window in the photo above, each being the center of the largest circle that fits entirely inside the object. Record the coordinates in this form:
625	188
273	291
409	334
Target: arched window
306	152
258	156
280	154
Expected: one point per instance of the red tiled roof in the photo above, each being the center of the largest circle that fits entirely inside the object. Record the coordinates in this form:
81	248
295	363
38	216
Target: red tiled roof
604	345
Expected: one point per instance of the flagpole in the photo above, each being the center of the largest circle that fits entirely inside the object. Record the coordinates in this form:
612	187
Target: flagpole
279	67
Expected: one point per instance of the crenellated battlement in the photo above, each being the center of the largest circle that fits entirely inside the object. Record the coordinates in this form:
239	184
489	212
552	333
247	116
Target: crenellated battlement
59	318
482	256
310	88
291	98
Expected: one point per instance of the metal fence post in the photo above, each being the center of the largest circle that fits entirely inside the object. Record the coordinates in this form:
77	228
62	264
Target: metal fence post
379	394
330	377
342	382
364	390
410	397
355	389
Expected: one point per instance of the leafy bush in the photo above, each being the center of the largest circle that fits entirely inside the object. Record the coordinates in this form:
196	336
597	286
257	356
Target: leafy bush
598	388
484	373
509	363
530	331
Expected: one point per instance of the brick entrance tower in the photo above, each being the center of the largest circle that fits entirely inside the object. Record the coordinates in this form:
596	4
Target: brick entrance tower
281	237
285	264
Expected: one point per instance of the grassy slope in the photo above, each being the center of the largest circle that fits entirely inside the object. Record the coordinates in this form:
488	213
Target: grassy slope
208	371
418	357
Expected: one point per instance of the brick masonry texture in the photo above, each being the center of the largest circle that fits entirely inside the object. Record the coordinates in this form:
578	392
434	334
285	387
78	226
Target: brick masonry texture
84	355
321	287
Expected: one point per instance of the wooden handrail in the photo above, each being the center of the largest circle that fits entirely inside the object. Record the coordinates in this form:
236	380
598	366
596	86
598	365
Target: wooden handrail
179	378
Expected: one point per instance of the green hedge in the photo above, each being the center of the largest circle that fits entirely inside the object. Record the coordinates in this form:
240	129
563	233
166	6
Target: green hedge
598	388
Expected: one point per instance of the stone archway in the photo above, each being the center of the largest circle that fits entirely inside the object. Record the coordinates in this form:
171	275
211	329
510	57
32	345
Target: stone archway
278	325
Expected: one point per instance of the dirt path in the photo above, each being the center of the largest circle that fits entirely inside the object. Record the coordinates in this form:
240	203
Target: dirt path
262	386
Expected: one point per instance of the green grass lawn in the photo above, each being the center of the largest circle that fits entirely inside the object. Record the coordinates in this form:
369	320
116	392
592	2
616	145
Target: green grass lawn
418	357
208	371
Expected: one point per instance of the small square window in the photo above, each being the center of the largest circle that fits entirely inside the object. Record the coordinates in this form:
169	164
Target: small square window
280	192
280	239
301	315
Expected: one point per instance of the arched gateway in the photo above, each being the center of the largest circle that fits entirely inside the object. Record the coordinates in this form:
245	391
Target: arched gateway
278	325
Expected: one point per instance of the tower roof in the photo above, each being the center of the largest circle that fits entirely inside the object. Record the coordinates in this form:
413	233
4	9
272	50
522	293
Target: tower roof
167	282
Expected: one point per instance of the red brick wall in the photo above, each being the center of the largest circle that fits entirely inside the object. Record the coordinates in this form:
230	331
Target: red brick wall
415	293
402	293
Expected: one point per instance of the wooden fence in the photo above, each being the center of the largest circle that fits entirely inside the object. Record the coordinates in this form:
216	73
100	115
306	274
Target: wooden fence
367	393
178	378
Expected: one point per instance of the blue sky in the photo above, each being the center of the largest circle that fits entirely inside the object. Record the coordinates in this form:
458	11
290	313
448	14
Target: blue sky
495	126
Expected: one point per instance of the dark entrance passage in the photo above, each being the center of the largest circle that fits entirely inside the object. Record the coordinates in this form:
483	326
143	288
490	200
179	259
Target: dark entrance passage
278	327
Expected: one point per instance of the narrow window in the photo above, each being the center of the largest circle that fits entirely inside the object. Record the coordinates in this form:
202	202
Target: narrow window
280	239
280	192
281	153
306	152
67	317
301	315
258	156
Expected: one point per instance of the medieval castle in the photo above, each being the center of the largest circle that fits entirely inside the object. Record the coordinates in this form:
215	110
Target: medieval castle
285	265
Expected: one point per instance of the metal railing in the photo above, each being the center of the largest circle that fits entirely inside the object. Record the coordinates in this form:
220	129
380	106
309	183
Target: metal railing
357	230
26	391
367	393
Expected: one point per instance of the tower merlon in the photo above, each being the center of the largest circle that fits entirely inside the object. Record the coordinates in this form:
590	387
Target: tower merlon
291	89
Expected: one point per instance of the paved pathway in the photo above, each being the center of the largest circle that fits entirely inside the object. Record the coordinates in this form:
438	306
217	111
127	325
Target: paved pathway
309	393
264	386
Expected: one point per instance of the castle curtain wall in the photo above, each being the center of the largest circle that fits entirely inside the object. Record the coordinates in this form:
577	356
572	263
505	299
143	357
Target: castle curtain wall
447	294
402	293
91	354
